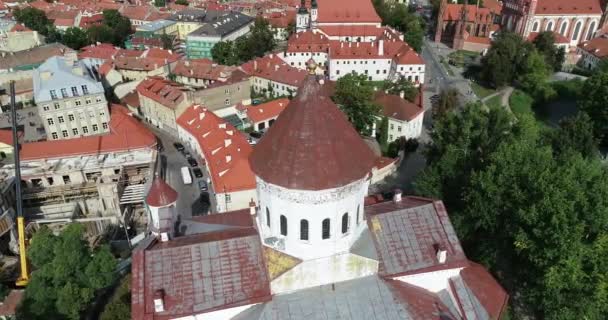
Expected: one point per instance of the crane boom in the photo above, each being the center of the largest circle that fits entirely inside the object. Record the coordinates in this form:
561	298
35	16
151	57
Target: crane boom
24	276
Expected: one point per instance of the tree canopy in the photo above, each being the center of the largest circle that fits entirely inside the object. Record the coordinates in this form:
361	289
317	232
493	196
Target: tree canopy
119	24
182	2
354	94
402	85
255	44
34	19
75	38
67	273
534	214
594	102
501	64
554	56
398	16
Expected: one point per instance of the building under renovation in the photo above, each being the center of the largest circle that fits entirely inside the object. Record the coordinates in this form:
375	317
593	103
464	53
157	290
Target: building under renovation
97	180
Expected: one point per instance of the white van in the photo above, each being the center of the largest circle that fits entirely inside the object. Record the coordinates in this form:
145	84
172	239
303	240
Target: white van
186	175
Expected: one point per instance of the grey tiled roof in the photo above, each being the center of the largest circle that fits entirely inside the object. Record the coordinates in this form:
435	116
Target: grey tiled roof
62	76
220	24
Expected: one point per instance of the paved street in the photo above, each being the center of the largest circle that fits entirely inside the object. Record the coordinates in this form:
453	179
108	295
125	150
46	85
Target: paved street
169	166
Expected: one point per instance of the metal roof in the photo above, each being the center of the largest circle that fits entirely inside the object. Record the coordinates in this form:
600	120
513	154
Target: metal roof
408	233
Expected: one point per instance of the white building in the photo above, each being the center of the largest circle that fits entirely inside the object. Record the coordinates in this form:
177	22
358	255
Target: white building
404	117
272	77
592	52
70	99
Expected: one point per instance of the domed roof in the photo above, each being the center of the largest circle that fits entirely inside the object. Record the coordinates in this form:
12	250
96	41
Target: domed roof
312	145
161	194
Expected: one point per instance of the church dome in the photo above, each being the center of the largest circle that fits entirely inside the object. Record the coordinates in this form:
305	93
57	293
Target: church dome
312	145
161	194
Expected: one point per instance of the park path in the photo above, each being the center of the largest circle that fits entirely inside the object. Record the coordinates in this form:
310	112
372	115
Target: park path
504	94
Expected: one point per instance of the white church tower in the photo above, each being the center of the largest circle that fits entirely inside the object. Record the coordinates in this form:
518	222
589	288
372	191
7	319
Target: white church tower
303	18
312	171
314	14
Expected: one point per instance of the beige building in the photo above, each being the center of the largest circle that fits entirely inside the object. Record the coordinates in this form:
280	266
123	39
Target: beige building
162	102
15	37
70	100
222	95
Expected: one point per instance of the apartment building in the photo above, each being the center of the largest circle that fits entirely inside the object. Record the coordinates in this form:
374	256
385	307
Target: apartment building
70	99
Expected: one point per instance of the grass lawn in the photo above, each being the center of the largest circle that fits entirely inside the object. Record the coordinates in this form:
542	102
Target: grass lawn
520	102
481	91
447	67
494	101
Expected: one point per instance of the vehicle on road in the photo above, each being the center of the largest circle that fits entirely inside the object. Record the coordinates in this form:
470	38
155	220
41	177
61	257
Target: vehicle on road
186	175
178	146
202	184
197	173
256	134
192	162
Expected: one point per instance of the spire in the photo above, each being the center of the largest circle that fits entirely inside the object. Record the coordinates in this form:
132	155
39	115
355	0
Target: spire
302	9
314	4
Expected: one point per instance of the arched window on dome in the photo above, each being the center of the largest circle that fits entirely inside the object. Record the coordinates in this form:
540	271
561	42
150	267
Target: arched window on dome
358	221
577	30
591	31
535	26
267	217
325	233
345	223
564	28
303	229
549	26
283	225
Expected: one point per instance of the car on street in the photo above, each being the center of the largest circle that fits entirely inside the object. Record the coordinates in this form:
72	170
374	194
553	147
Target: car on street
192	162
197	173
256	134
178	146
202	184
186	177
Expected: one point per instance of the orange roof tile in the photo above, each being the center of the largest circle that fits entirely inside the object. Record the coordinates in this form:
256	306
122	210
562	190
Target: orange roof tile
225	149
266	111
356	11
126	133
577	7
597	47
165	92
273	68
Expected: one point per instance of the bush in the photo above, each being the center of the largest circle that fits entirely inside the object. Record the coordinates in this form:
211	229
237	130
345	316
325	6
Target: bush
407	145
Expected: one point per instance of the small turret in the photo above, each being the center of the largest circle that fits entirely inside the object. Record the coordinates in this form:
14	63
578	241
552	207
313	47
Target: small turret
303	18
314	12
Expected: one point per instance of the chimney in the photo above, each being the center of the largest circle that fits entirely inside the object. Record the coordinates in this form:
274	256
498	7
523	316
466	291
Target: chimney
187	63
228	158
227	142
276	67
255	65
77	71
341	44
159	304
252	207
372	44
164	237
380	47
397	196
441	252
402	94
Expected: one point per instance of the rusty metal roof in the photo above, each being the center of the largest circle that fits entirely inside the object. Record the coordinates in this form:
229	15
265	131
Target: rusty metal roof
161	194
312	145
407	233
200	273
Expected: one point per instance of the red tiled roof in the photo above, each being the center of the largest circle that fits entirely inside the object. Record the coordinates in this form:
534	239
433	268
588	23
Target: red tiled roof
192	277
558	37
479	40
266	111
352	30
397	50
308	41
126	133
281	19
19	28
577	7
453	12
106	51
105	68
131	99
8	307
157	53
142	63
271	67
63	22
356	11
165	92
224	148
203	69
597	47
393	106
486	289
161	194
420	303
412	252
312	145
89	21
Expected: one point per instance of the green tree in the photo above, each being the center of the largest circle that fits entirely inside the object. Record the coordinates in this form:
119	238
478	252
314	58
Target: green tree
535	75
291	28
167	41
260	39
160	3
75	38
119	307
182	2
66	276
34	19
100	33
575	134
448	101
398	16
594	101
554	56
120	25
383	134
354	96
500	66
414	33
223	53
410	92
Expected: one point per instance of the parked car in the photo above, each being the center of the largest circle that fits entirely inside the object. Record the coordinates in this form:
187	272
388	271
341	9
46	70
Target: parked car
256	134
192	162
202	184
252	141
179	147
197	173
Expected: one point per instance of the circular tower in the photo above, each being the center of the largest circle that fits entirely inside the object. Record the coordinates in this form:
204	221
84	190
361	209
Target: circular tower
161	201
312	172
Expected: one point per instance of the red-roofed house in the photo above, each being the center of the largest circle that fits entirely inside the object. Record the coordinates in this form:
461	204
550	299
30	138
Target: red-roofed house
577	20
404	117
226	153
271	76
162	102
264	115
466	27
18	38
200	73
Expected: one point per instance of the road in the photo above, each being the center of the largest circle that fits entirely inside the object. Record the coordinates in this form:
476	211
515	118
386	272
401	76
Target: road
169	166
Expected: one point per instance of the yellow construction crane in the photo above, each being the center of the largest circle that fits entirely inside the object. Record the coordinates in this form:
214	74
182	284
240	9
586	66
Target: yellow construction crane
24	276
